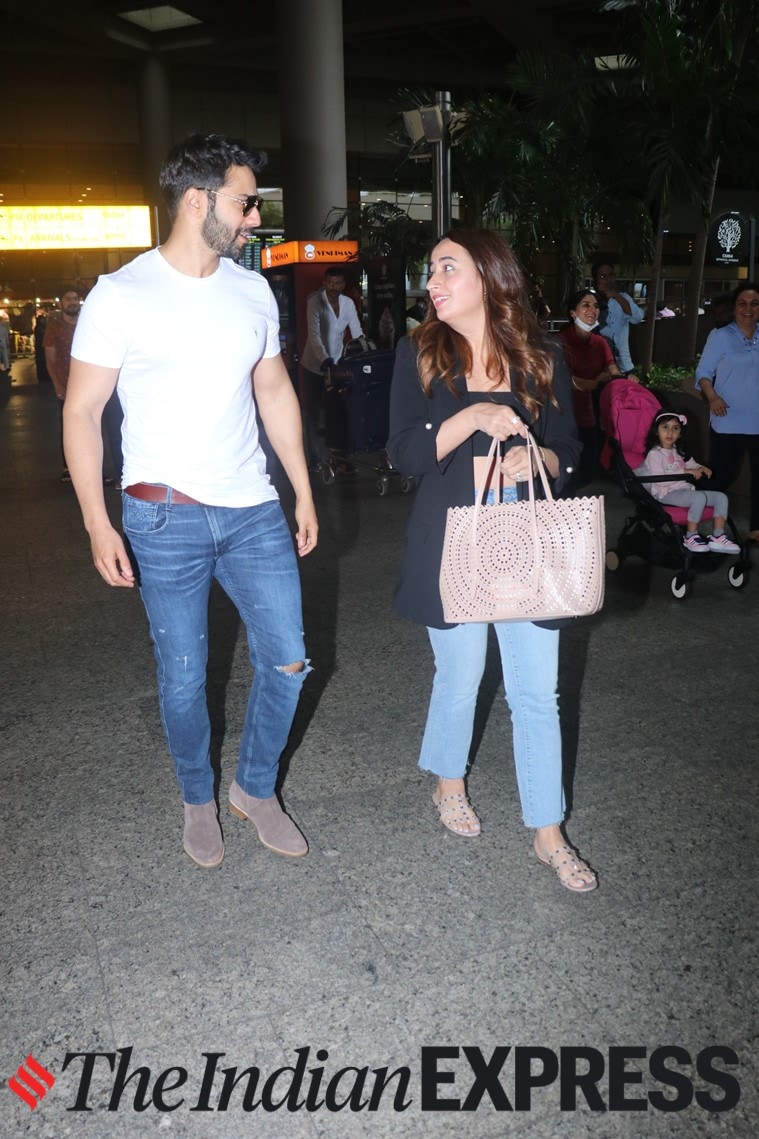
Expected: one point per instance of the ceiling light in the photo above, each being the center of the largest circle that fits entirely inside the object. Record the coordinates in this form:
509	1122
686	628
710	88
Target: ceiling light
160	19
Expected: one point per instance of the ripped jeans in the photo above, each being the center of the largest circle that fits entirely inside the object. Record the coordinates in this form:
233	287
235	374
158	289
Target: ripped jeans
178	551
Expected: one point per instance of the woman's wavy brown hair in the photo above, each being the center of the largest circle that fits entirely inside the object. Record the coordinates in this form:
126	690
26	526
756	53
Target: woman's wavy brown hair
516	345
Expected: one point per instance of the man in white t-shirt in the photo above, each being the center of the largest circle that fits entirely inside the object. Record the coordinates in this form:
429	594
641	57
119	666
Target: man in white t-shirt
187	337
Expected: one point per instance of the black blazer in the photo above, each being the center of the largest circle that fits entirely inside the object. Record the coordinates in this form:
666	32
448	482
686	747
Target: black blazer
415	420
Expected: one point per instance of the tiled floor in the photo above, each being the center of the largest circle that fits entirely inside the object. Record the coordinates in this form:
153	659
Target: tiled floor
392	936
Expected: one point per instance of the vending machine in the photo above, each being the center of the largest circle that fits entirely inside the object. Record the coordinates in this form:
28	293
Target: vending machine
295	270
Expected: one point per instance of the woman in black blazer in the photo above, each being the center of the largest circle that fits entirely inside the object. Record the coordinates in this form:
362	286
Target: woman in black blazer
478	368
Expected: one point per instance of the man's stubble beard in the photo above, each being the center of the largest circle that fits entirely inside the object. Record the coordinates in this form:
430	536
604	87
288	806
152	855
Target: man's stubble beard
221	238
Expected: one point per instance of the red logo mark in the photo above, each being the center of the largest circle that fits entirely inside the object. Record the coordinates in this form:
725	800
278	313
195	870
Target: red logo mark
25	1078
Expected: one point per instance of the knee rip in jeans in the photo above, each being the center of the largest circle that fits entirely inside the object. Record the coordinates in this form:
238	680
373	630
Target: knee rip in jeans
300	668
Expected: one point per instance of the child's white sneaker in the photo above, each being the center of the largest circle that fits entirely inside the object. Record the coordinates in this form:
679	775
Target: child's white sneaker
721	544
696	544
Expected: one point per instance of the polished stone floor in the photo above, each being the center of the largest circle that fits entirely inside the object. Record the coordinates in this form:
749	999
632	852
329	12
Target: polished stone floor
393	938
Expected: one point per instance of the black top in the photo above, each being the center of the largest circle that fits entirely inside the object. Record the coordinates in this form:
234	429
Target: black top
415	420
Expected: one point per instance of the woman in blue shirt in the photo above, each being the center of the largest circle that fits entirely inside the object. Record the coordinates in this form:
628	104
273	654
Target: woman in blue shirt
728	376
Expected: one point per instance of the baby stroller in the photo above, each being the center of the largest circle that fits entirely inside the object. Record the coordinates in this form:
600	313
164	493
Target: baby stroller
653	532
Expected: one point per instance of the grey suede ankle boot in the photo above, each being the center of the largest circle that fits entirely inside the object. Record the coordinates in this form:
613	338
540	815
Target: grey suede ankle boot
275	829
202	834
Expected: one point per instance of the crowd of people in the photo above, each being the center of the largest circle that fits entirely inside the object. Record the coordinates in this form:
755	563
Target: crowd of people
477	364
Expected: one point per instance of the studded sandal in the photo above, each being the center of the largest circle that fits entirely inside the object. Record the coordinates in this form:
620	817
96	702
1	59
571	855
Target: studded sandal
568	867
455	810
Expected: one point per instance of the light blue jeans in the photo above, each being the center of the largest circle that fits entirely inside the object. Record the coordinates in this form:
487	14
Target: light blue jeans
178	551
529	659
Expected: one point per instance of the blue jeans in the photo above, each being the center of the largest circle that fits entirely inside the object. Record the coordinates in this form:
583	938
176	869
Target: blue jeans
178	550
529	659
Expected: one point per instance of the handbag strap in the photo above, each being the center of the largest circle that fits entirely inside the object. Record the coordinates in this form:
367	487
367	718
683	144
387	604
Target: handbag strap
532	451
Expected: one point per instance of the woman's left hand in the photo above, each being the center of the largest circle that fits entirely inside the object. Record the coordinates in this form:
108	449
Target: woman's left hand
515	465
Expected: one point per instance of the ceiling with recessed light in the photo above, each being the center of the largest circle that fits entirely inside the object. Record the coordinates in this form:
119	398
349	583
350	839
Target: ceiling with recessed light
395	43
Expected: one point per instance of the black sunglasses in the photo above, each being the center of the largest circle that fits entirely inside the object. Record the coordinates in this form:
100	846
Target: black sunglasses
248	203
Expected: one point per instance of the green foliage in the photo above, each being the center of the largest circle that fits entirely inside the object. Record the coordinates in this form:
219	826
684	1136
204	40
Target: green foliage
547	166
383	229
667	377
271	215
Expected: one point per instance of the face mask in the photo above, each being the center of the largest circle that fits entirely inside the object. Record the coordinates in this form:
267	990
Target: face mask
585	327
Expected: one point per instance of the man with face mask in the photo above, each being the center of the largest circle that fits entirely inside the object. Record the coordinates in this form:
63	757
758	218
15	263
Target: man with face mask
591	363
618	312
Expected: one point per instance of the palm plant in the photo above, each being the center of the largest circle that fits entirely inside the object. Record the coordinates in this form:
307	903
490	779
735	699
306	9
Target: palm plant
383	229
680	107
554	173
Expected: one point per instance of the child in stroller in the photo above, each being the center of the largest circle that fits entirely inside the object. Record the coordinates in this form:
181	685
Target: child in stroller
666	454
654	530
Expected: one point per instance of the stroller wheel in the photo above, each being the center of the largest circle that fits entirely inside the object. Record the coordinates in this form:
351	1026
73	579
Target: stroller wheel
613	560
681	587
383	486
737	575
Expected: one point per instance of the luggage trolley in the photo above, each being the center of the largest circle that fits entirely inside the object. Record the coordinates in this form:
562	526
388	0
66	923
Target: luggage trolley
363	381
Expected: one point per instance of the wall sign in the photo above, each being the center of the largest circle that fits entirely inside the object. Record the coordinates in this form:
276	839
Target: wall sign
75	227
729	239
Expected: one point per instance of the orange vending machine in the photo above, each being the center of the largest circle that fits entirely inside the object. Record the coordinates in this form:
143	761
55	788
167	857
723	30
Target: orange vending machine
294	270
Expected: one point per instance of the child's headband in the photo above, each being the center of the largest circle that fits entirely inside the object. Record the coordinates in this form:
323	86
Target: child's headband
670	415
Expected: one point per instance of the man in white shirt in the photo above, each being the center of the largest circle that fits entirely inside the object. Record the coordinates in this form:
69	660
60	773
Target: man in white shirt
328	314
187	337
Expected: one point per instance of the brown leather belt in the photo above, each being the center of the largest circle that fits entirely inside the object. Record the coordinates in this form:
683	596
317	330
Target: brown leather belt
154	492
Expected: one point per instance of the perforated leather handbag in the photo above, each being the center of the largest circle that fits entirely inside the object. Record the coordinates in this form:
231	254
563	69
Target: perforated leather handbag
536	560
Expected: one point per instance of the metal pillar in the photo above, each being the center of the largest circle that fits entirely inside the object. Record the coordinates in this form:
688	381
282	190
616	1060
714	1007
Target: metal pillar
155	136
441	172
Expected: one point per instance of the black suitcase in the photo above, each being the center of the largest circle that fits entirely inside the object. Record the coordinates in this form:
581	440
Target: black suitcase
364	385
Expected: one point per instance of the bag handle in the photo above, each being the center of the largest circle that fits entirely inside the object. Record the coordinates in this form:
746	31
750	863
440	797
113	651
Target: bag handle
532	450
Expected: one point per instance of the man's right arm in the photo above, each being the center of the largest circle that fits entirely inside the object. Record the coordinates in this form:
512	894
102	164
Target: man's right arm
633	312
314	326
89	389
51	362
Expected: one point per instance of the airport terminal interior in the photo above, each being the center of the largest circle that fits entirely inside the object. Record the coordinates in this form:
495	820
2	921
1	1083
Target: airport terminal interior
399	981
393	938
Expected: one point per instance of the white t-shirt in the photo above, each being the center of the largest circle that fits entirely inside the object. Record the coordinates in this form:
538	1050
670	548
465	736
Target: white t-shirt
185	348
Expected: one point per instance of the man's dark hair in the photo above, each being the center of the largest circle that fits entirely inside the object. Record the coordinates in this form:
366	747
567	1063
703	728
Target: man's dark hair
599	264
335	271
203	160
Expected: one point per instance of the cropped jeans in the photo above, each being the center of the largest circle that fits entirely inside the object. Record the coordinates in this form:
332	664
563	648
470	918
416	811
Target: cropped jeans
529	659
178	551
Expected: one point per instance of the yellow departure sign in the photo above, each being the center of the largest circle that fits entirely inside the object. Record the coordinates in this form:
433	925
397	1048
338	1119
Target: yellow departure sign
74	227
